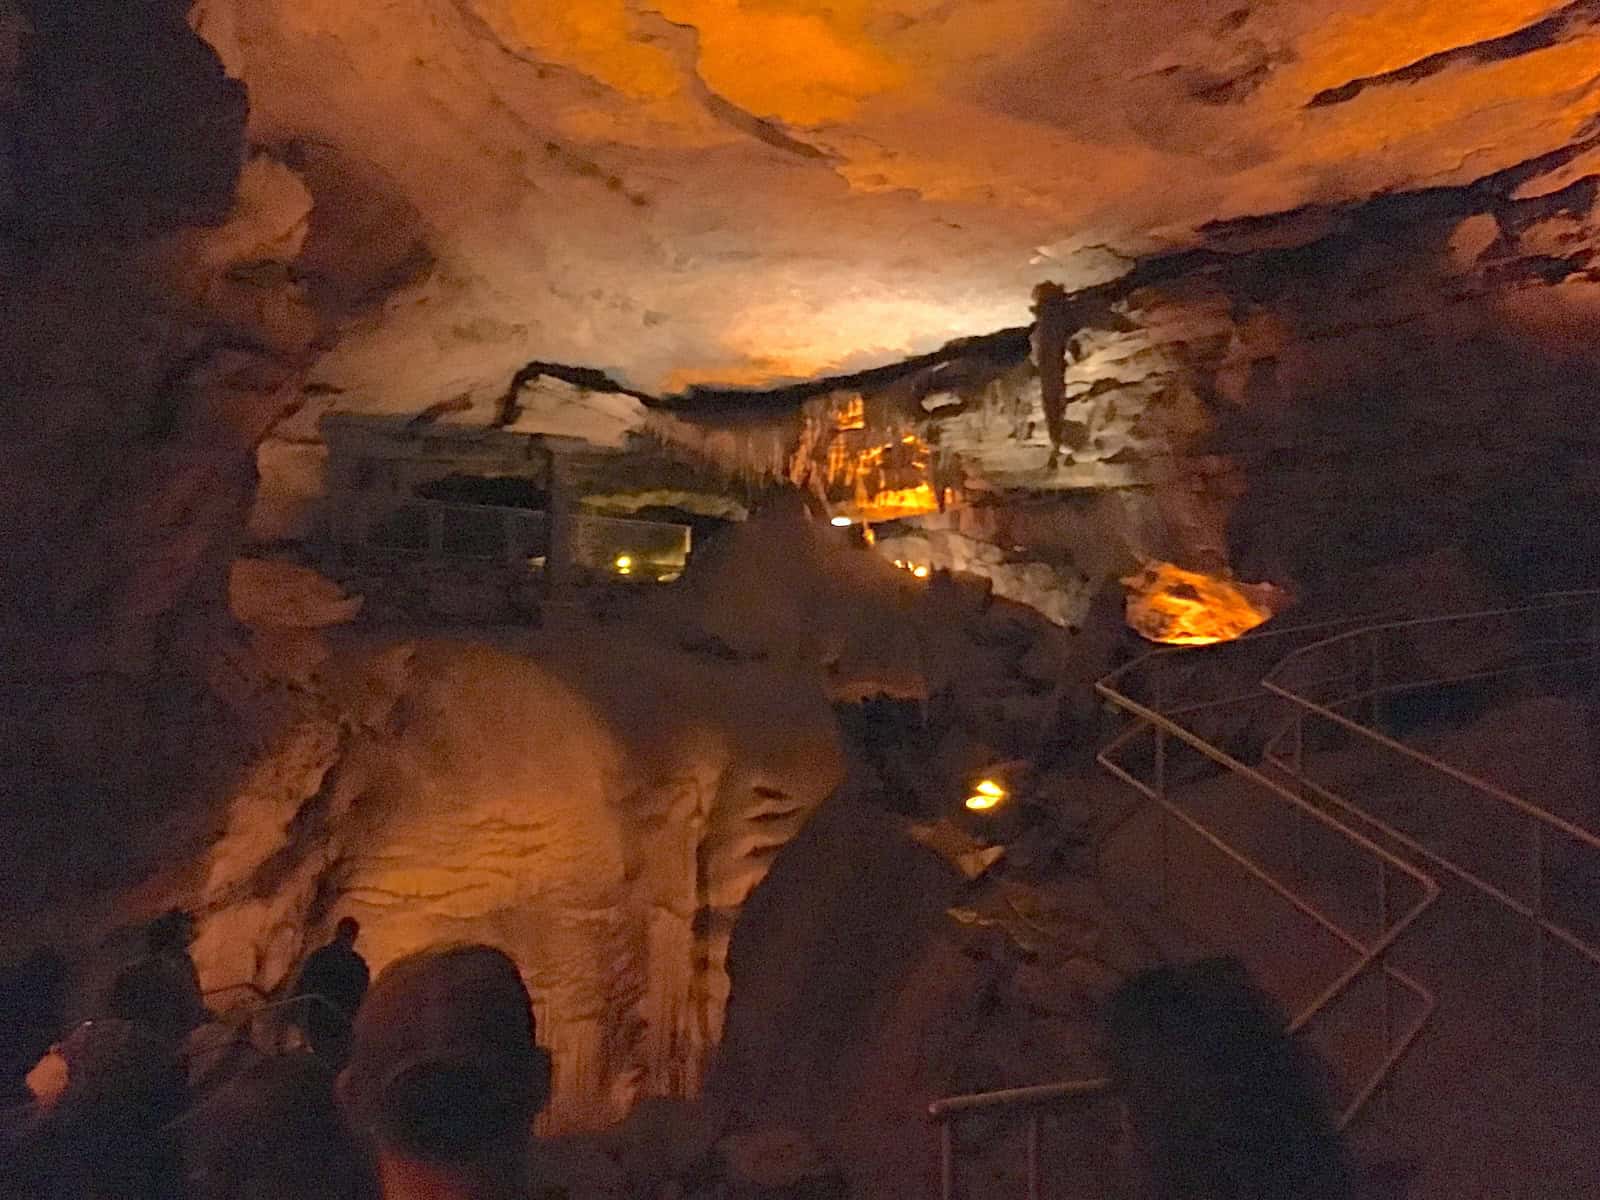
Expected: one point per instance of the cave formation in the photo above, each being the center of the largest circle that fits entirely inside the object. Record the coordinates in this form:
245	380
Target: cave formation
605	478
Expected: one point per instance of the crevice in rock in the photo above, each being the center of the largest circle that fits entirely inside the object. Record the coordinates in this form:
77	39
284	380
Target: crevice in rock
589	169
590	379
759	128
1560	26
684	39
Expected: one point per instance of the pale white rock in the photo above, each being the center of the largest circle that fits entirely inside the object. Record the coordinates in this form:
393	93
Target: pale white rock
291	492
554	407
597	804
267	593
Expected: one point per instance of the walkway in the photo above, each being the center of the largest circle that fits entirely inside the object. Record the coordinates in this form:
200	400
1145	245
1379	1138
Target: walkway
1499	1097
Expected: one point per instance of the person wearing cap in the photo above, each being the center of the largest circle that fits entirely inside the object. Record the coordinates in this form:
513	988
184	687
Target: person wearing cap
444	1077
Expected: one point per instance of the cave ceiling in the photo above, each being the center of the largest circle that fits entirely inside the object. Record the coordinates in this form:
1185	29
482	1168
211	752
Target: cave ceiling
746	192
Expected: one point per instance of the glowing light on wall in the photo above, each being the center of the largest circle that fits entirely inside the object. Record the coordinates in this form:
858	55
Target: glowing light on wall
891	504
1179	607
986	795
841	522
624	564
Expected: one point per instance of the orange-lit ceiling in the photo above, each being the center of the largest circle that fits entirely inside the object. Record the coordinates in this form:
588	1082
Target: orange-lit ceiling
743	191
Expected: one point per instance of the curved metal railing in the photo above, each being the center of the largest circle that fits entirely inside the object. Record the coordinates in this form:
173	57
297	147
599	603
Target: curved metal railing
1370	955
1342	684
1144	691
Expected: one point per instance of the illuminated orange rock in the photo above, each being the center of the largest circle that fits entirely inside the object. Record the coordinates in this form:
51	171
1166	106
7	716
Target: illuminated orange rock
1167	603
711	191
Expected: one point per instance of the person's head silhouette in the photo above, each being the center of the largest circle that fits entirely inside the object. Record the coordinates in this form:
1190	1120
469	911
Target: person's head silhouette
444	1077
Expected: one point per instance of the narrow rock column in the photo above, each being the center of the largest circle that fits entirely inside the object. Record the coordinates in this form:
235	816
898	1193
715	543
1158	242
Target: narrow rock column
1050	312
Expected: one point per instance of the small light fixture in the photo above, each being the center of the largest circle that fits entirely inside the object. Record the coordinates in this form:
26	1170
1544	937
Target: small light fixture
985	796
920	571
624	564
841	522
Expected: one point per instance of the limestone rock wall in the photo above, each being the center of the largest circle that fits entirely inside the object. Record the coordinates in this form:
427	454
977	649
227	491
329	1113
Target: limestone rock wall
1325	390
596	804
151	334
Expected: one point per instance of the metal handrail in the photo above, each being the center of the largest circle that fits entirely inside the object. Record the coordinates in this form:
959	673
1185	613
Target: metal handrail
1348	700
1043	1094
1032	1099
1247	641
267	1003
1036	1100
1368	956
1542	818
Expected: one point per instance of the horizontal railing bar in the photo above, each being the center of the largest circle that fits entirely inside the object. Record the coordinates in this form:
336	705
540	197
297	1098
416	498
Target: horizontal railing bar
268	1004
1424	684
1521	908
1443	768
1223	759
1395	1055
1020	1097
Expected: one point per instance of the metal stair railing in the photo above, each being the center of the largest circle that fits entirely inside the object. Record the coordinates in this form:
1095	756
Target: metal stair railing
1340	687
243	1018
1159	719
241	1022
1035	1101
1370	956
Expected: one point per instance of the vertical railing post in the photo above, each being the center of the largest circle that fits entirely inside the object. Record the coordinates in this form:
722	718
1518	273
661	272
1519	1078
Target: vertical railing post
1165	817
1375	677
1385	998
1033	1155
947	1161
1537	1074
1300	789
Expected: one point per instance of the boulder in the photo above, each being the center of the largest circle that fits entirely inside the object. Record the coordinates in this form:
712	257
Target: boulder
268	594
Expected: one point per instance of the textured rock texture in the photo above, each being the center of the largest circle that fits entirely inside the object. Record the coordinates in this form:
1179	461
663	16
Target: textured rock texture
1328	295
151	335
597	804
694	190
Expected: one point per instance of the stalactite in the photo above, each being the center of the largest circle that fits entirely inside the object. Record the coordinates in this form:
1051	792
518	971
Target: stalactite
1050	331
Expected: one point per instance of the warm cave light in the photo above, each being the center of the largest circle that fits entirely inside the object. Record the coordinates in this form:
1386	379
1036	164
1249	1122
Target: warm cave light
624	564
920	571
985	796
841	522
1179	607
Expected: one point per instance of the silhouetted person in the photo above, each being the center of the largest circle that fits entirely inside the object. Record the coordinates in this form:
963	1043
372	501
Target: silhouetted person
333	981
162	990
444	1077
1223	1104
